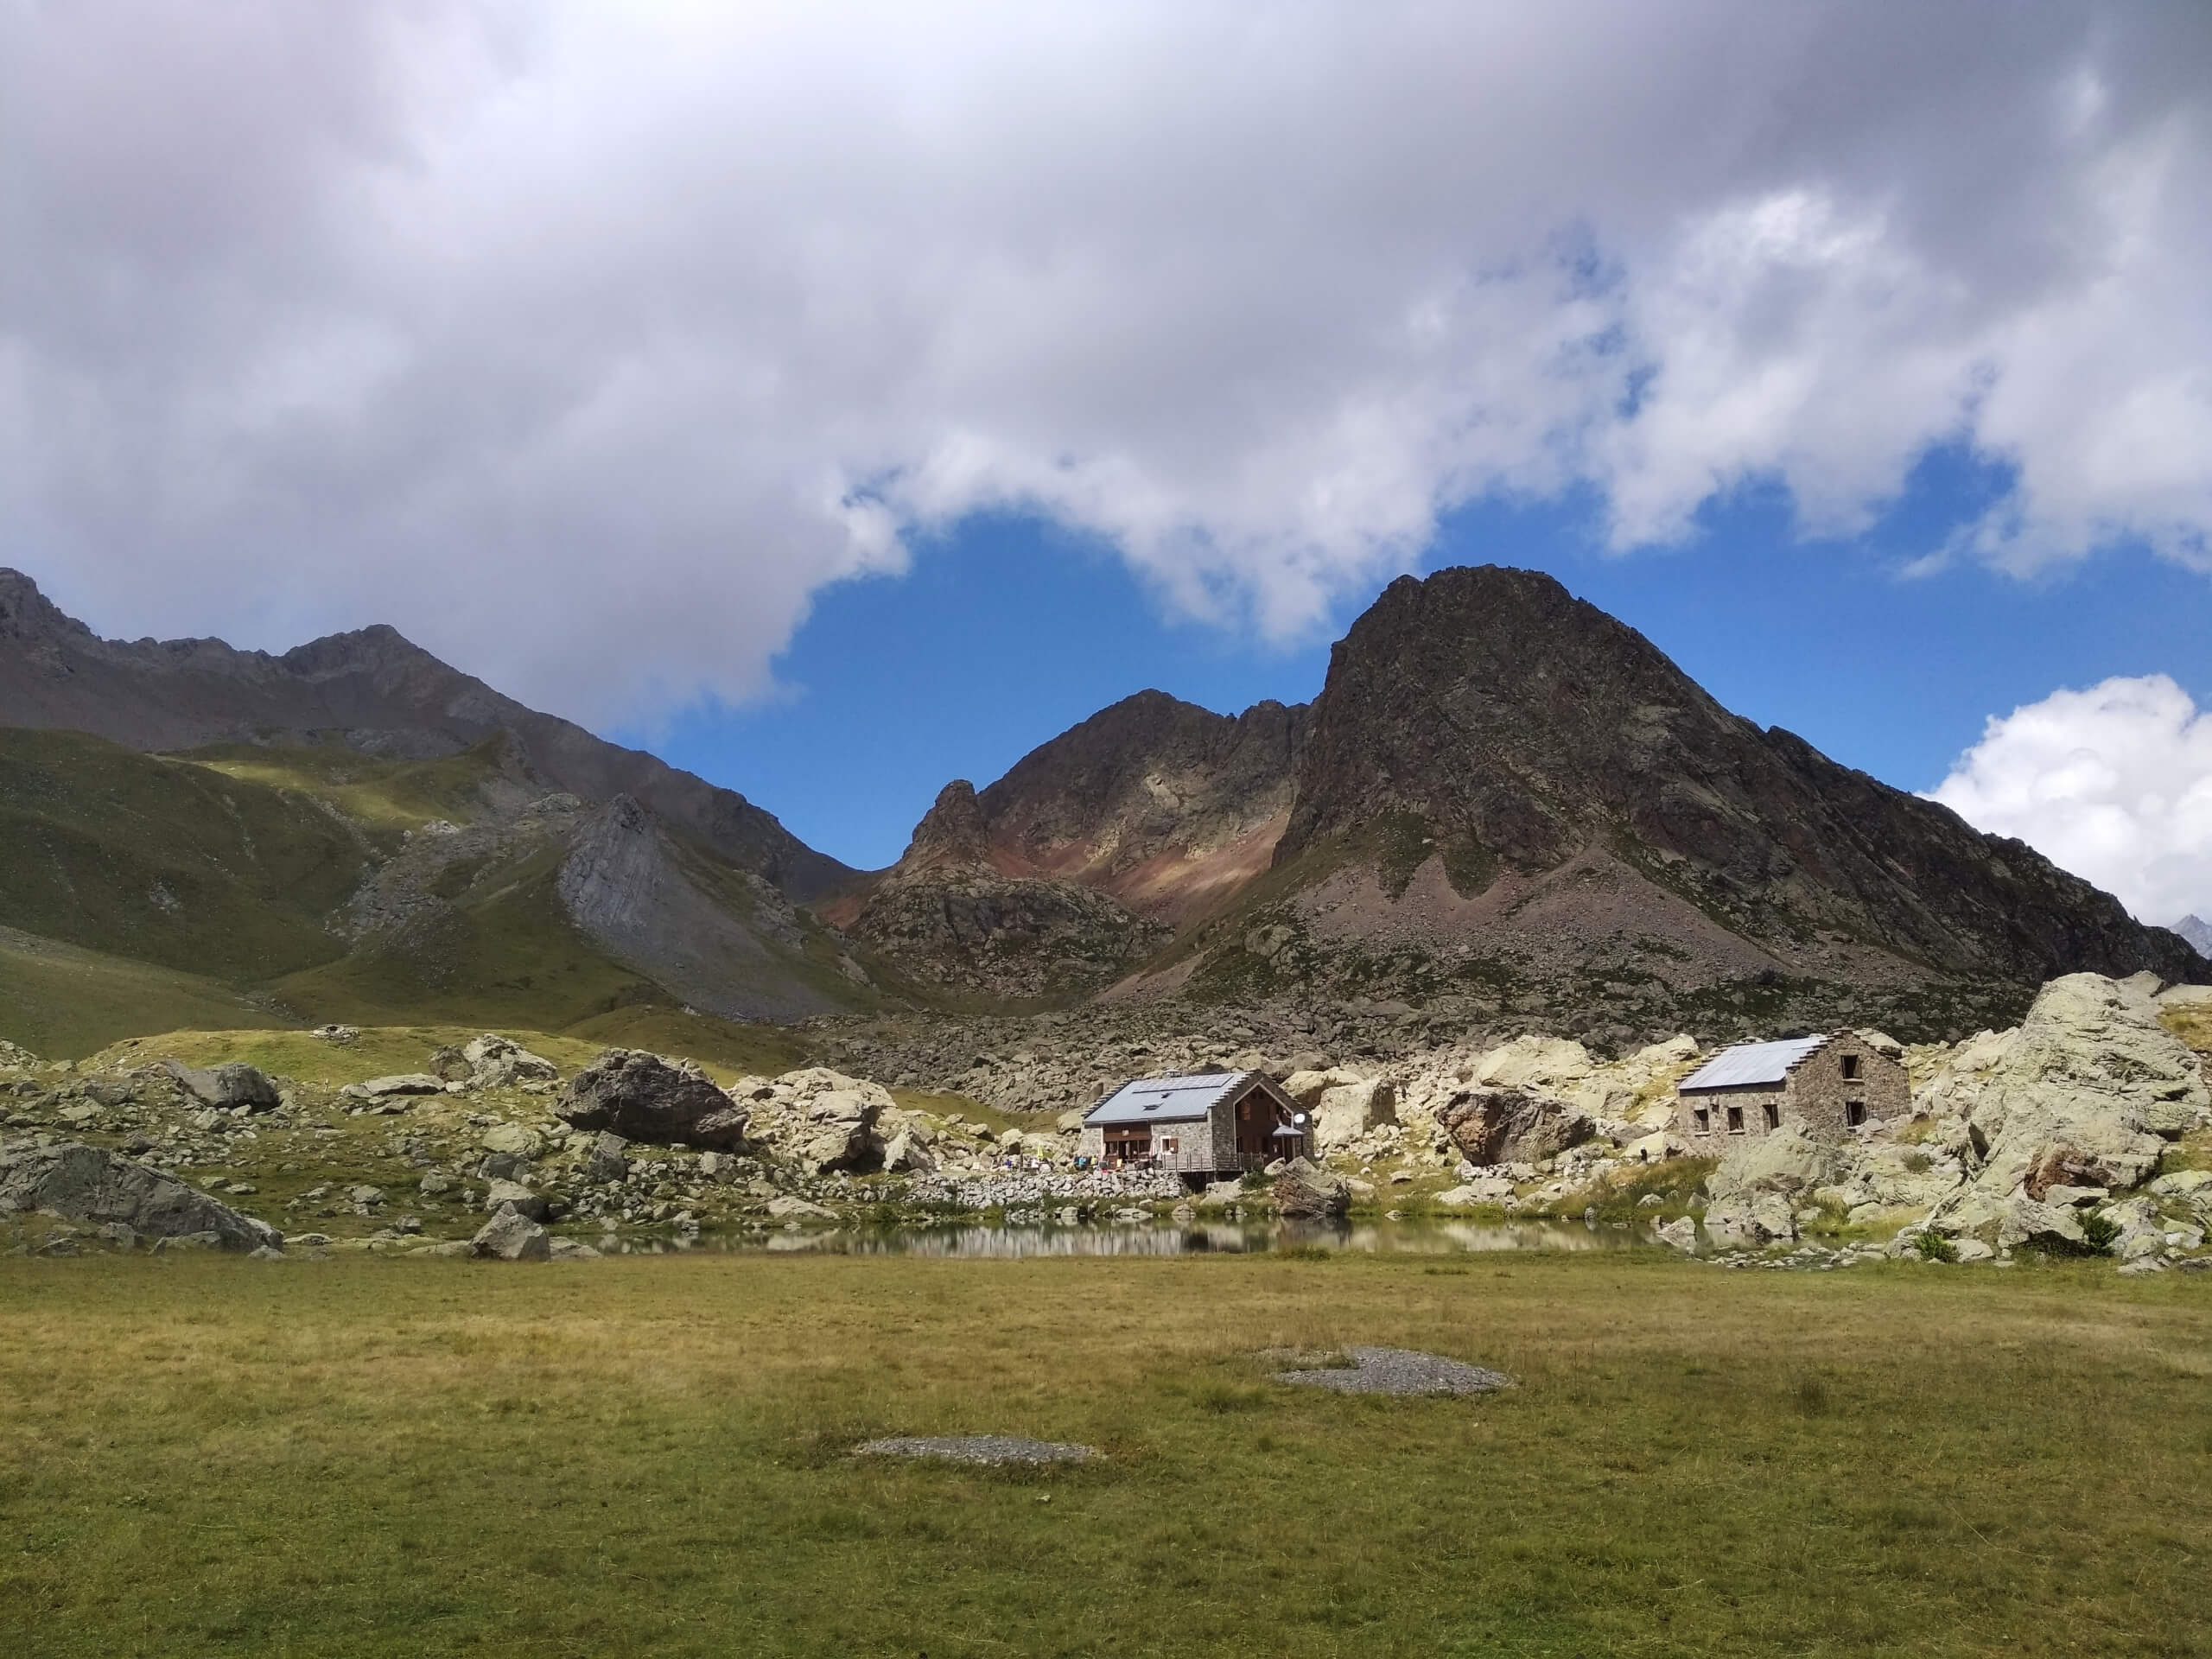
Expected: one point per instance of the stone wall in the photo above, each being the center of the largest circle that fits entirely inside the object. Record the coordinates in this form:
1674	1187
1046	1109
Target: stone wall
1821	1096
1719	1131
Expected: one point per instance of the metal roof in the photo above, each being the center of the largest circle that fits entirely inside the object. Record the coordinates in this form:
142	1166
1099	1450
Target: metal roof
1749	1065
1167	1100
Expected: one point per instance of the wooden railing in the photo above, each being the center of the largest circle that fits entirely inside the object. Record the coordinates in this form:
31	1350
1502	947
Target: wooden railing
1194	1162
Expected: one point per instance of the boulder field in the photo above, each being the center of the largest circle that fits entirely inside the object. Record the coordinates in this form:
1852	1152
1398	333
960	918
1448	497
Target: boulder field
2052	1134
2086	1128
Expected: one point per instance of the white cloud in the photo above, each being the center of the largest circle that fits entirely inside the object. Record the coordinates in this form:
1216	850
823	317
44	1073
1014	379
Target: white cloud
2114	782
587	342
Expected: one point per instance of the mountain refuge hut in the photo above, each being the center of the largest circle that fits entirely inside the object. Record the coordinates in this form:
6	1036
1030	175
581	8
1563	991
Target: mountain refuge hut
1825	1086
1206	1126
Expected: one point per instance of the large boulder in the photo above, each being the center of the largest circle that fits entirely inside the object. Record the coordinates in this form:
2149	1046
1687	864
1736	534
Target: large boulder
512	1237
908	1151
1307	1086
1681	1233
1303	1192
2084	1093
836	1132
642	1096
1532	1061
228	1087
606	1161
1344	1111
514	1195
1512	1126
1757	1189
81	1183
819	1120
496	1062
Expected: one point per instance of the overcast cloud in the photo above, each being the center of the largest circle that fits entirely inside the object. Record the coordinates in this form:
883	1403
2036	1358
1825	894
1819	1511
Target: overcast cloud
585	342
2114	782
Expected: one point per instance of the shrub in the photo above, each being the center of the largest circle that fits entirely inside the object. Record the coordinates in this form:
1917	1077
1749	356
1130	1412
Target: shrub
1934	1247
2100	1230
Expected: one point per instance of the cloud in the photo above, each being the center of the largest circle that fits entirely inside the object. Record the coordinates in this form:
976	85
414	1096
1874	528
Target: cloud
2113	783
587	343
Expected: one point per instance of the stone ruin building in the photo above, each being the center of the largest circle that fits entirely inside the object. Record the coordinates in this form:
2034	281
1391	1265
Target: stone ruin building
1824	1086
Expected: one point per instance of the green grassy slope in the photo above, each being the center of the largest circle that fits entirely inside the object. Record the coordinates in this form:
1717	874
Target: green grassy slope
726	1050
510	958
204	887
62	1002
185	883
382	796
167	862
721	1045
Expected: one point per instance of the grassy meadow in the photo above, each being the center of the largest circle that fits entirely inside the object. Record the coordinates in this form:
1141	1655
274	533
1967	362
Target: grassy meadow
650	1455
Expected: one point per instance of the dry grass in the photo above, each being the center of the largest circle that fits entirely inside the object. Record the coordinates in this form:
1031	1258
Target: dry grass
648	1456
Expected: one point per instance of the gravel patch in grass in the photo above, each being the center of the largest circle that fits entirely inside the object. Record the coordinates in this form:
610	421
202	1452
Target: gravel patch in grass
1401	1371
976	1448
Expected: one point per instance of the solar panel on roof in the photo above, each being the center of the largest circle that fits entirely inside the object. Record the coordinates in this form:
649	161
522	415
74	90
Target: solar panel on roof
1171	1100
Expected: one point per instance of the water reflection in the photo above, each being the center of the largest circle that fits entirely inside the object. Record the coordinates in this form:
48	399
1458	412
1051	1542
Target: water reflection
1165	1238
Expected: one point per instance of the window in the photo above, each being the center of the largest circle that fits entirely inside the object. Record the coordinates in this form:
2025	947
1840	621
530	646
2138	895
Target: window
1854	1112
1773	1116
1702	1116
1171	1143
1851	1068
1735	1120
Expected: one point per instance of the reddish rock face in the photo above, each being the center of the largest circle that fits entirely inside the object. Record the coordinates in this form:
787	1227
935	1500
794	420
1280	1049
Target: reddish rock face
1074	868
1166	806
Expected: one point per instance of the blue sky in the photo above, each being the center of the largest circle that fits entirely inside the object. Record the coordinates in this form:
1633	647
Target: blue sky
1009	631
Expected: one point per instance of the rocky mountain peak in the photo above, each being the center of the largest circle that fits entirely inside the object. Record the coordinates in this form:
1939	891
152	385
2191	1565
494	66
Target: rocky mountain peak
2198	932
1486	719
1493	705
28	614
380	645
951	836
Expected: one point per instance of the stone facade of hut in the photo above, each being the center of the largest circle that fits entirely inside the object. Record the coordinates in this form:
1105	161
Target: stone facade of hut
1836	1085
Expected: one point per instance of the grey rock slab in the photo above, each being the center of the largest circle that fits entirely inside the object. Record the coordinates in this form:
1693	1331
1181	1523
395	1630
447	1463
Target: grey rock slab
977	1448
82	1183
226	1086
1401	1371
514	1195
405	1083
1303	1190
510	1237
